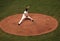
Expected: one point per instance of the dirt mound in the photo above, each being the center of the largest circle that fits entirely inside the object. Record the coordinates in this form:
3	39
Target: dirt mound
42	24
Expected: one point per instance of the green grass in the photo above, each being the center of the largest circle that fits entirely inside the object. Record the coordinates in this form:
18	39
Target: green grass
48	7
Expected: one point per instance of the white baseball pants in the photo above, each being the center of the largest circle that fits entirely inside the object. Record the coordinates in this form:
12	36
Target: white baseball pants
24	17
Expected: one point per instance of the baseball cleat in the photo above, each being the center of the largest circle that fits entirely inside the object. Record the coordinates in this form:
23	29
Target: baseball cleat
32	20
18	24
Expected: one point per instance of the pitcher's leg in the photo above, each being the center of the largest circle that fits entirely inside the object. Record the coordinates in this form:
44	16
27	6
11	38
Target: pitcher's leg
30	18
23	17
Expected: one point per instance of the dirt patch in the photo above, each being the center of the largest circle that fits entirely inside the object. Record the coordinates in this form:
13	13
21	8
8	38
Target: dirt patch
42	24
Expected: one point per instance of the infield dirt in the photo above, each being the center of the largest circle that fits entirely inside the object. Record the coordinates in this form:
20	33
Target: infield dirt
42	24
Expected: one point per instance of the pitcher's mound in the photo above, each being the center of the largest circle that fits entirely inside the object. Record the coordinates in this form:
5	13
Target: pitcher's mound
42	24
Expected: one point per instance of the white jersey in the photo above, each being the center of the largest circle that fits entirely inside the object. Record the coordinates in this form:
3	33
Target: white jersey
25	12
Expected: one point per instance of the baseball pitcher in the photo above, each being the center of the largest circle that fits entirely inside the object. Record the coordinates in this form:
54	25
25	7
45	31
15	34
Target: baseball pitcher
25	15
